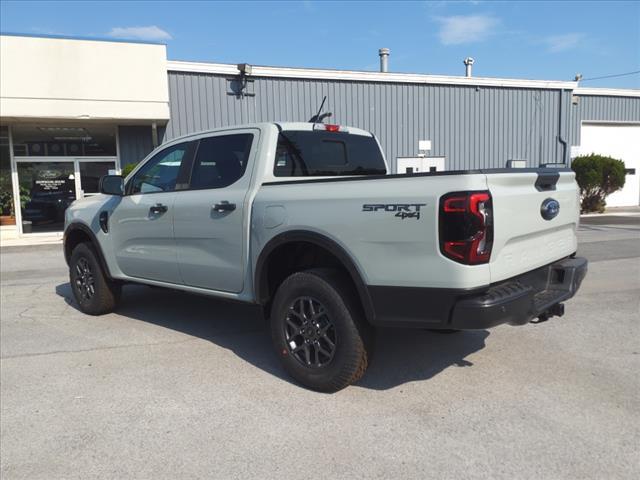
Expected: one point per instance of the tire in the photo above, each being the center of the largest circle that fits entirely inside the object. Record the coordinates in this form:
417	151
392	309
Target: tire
95	294
330	351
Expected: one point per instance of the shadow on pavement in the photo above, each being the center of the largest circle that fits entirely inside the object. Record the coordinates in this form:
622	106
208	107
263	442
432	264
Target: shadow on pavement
400	356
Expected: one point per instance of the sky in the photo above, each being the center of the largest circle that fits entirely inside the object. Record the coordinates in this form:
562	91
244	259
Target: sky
535	40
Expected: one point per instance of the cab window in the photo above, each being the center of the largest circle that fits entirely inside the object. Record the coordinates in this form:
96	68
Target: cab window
160	174
317	153
220	160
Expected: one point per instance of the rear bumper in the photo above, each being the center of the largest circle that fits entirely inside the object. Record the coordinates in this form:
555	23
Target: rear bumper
516	301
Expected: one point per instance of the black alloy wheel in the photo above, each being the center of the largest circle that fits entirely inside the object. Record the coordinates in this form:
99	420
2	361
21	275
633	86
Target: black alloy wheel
310	334
84	284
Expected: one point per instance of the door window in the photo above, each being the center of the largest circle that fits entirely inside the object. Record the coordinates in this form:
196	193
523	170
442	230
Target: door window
221	160
160	174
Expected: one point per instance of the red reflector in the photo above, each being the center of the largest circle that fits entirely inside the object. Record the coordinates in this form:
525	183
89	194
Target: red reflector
332	128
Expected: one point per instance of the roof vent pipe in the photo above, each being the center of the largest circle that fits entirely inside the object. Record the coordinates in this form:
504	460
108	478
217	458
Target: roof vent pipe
384	59
468	63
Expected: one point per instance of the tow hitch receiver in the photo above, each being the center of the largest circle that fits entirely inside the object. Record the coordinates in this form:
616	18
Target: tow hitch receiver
556	310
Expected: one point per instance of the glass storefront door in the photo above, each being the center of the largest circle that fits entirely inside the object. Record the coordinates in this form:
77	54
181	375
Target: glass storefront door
90	174
57	164
47	189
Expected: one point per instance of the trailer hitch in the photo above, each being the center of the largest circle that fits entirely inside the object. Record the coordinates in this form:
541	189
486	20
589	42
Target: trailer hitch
556	310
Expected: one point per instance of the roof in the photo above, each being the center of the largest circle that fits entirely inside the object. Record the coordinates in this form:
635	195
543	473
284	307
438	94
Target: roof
392	77
608	92
355	75
86	39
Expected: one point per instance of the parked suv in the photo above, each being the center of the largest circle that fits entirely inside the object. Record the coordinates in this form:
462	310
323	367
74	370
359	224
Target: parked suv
303	219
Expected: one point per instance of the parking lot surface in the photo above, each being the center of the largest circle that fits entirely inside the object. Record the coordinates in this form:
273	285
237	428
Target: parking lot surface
180	386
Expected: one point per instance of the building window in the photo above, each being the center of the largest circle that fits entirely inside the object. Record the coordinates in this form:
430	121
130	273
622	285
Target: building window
64	141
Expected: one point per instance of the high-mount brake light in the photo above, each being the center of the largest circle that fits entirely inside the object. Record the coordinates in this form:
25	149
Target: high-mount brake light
466	227
327	127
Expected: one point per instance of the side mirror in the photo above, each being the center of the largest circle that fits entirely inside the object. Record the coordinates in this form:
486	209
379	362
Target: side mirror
112	185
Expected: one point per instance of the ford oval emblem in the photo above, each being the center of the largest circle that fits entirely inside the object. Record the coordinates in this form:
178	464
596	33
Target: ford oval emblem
550	209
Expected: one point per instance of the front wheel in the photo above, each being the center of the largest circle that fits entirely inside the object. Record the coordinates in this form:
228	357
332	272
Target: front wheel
93	291
318	330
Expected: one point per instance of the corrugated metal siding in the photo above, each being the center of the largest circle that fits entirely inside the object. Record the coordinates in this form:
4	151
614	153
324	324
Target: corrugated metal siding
472	127
602	109
135	143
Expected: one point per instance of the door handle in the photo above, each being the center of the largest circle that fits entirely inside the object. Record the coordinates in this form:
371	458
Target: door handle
224	206
158	208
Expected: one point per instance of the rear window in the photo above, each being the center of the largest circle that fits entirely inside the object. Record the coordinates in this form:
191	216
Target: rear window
318	153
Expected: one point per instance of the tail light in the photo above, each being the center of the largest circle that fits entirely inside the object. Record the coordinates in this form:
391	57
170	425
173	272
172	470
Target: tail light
466	227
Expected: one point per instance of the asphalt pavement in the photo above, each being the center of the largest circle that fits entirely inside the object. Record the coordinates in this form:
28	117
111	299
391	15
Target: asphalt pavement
175	385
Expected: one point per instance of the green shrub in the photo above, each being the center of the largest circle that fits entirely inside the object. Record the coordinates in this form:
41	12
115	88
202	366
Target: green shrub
597	177
6	200
128	168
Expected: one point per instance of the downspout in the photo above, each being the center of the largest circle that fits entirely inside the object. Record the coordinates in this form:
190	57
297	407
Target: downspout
154	134
561	139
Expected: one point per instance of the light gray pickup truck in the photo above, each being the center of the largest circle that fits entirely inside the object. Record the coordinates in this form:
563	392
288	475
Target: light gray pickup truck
303	219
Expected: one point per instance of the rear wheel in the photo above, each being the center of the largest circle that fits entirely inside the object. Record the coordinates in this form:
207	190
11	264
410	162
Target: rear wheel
318	330
93	291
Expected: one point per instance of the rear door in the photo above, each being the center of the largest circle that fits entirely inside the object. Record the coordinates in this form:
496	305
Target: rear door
523	238
210	219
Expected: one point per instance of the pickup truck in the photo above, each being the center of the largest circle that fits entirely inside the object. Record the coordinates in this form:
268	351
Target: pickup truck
304	220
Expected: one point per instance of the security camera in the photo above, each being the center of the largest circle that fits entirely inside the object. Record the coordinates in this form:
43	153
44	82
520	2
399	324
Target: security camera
244	68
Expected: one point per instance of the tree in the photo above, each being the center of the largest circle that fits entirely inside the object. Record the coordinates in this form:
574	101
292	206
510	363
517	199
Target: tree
128	168
598	176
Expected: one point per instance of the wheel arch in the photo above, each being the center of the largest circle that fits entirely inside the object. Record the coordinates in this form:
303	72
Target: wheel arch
263	288
77	233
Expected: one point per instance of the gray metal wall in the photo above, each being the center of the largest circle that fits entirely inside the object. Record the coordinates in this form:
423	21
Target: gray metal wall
602	109
472	127
135	143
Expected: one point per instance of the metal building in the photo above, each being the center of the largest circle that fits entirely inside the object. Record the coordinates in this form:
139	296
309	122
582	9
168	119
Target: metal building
472	122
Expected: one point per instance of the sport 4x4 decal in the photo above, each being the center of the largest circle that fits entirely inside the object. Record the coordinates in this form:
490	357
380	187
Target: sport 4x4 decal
402	210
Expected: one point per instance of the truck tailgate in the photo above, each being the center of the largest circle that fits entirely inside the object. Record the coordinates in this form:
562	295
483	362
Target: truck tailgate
523	239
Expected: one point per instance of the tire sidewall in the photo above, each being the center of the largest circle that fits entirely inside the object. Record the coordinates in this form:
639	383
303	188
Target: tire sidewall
348	342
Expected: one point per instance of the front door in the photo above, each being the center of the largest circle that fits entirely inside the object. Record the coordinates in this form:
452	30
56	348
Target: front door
55	165
142	222
209	219
46	190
